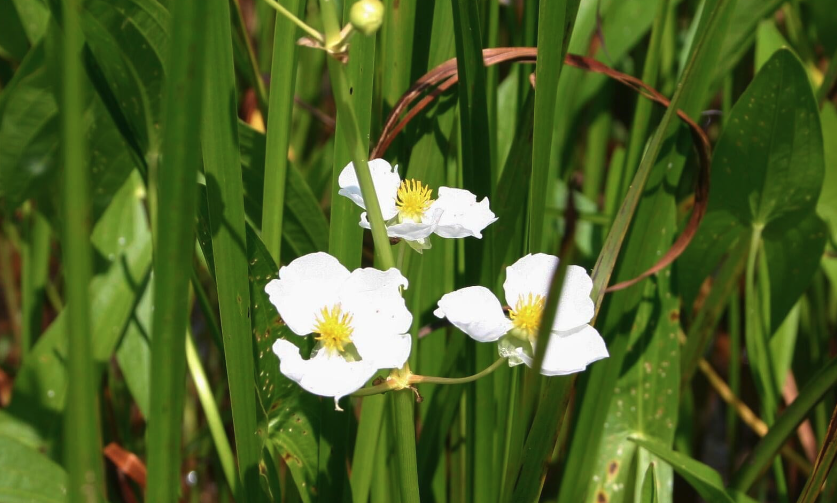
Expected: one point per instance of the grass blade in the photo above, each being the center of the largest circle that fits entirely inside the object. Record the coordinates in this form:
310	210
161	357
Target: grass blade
279	119
176	200
785	426
556	19
222	167
824	464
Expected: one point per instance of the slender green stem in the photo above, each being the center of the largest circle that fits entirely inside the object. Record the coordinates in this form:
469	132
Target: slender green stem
418	379
82	453
304	27
213	415
405	437
357	147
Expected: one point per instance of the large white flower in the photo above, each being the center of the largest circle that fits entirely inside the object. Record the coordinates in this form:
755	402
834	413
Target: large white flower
573	343
409	211
359	320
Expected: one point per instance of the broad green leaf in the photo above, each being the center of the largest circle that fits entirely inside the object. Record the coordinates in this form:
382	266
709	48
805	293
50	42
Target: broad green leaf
27	475
703	479
767	172
134	352
34	17
29	136
290	414
122	245
127	40
645	400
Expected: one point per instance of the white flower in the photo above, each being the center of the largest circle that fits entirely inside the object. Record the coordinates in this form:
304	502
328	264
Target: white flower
409	211
573	343
359	320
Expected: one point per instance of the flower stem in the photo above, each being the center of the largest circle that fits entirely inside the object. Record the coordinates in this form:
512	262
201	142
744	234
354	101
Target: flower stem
420	379
457	380
302	25
357	147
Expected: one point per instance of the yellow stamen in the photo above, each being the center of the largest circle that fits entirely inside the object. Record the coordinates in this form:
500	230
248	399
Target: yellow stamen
526	315
412	200
334	328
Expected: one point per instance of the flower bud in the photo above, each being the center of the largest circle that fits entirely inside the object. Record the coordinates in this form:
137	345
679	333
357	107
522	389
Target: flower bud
367	16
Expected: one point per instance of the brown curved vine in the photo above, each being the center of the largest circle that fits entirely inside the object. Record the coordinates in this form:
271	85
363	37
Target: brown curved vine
444	76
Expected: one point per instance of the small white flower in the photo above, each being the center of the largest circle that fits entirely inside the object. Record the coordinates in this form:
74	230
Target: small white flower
359	320
409	211
573	344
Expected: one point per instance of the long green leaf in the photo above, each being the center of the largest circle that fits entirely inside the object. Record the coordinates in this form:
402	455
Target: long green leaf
765	451
706	481
824	464
556	19
279	119
222	167
173	222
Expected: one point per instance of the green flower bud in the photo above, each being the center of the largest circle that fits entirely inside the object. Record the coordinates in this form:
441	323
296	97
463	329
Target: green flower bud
367	16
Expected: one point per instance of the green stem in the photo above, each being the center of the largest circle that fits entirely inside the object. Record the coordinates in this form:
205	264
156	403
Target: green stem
420	379
82	453
213	415
405	438
357	147
304	27
417	379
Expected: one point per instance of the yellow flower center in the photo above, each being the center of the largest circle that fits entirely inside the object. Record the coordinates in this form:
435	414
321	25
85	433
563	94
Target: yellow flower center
526	315
334	327
412	200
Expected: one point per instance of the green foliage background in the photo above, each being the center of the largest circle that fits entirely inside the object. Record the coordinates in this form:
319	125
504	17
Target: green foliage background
135	168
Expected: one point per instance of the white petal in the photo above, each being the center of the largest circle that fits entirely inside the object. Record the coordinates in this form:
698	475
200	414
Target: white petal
531	274
304	287
575	307
462	215
571	351
411	231
384	351
385	180
476	311
324	374
374	299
